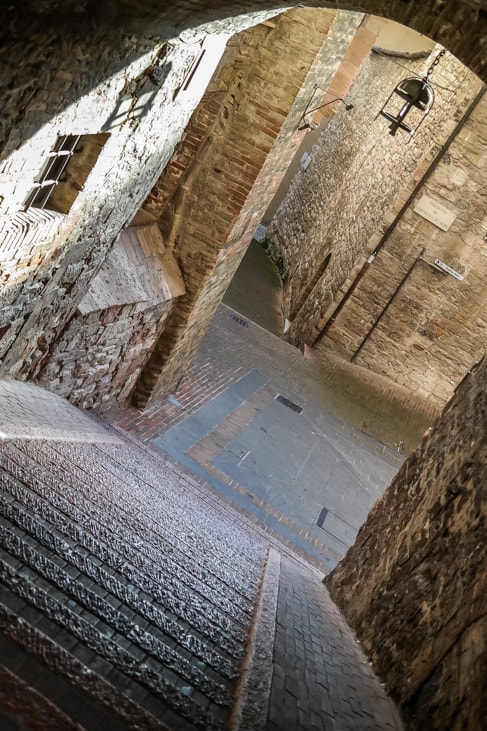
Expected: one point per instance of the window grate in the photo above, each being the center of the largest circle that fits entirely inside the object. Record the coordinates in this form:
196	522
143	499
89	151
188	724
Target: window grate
65	171
54	167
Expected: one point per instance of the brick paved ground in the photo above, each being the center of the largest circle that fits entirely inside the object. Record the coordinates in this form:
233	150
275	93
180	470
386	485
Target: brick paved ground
321	680
307	482
308	478
374	406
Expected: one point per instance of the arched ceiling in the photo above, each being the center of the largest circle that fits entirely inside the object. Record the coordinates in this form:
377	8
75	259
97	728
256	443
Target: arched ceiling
459	25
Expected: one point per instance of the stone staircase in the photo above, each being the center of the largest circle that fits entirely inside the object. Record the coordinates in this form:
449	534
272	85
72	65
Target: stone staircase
126	597
131	597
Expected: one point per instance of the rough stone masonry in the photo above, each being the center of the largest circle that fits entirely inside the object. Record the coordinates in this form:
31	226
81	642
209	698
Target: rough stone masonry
78	70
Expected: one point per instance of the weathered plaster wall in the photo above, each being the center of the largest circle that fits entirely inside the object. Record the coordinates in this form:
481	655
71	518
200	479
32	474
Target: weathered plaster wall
414	585
418	326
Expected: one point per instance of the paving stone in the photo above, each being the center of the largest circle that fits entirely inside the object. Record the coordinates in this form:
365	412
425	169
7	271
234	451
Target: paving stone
323	695
31	412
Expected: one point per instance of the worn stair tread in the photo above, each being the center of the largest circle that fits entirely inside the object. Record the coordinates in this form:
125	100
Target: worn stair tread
47	572
99	648
42	665
131	587
178	539
106	561
132	550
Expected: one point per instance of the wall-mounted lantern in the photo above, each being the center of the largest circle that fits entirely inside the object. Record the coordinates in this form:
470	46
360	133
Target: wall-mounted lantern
414	92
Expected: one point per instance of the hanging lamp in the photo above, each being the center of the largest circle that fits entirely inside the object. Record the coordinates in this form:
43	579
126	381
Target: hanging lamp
416	92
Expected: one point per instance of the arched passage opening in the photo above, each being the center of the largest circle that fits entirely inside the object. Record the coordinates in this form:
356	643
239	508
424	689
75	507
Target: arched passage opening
46	285
158	69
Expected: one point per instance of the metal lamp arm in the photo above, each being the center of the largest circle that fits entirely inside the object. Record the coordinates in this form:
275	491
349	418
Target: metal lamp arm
315	109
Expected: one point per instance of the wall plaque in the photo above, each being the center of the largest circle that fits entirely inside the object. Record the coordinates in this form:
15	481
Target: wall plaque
435	212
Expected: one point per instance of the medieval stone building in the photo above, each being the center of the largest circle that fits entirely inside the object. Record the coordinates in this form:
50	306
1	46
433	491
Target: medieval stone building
383	217
140	148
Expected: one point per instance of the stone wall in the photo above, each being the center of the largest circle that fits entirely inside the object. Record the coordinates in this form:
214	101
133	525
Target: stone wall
84	69
460	25
49	259
235	151
342	198
414	585
418	325
334	82
89	80
119	80
99	355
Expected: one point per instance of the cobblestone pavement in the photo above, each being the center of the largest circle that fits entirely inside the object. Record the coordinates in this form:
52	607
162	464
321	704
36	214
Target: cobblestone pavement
321	680
266	438
132	598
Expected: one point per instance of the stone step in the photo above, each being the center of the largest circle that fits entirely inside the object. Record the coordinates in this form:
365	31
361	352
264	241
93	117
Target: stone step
120	585
54	631
151	511
117	637
128	466
45	696
106	584
30	412
117	574
110	521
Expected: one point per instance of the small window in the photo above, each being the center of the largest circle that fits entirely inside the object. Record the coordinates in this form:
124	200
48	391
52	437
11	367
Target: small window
65	171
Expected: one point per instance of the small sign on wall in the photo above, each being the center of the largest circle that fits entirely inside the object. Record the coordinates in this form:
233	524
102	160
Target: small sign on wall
435	212
445	268
306	161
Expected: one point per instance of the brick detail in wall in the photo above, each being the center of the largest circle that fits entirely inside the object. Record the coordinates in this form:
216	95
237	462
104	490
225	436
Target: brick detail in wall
248	162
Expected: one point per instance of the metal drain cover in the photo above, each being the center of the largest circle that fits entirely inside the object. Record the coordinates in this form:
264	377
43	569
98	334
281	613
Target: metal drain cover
289	404
239	320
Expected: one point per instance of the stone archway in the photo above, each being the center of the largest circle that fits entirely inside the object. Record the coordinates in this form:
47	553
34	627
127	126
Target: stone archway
460	26
47	299
441	547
